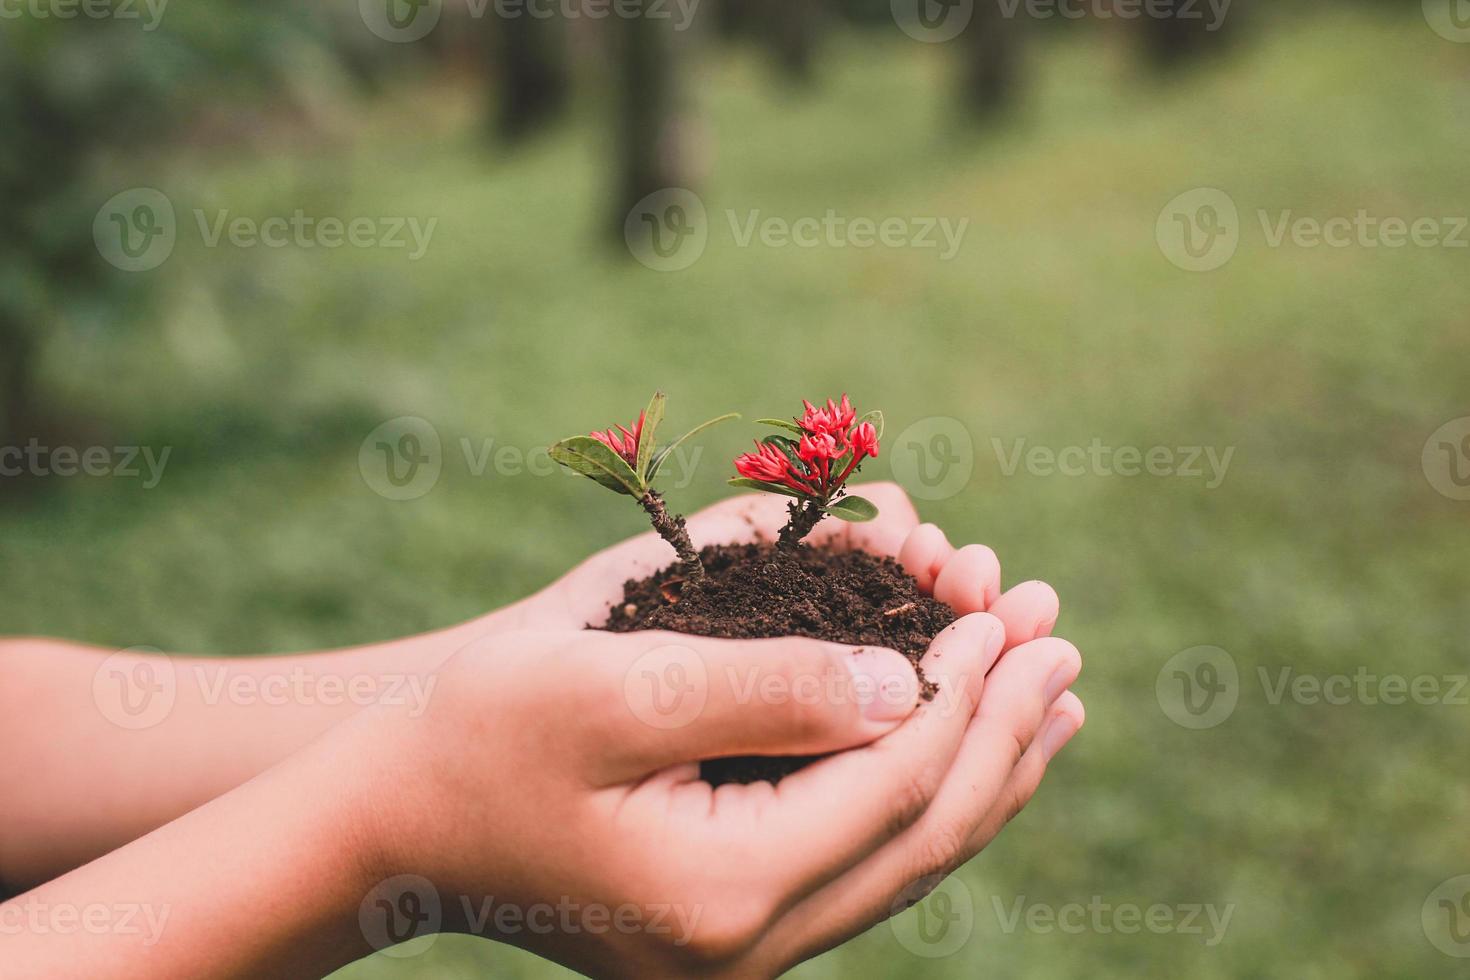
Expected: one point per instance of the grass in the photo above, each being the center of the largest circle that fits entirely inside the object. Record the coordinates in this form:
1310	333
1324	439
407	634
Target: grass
1323	550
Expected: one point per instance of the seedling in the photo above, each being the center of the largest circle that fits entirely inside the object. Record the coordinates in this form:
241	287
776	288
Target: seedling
811	461
627	461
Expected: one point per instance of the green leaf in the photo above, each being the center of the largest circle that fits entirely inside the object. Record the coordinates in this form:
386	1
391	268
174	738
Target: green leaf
591	458
652	416
876	417
854	509
749	484
663	454
786	424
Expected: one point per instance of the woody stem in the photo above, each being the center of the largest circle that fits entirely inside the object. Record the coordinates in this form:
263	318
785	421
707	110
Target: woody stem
671	528
804	516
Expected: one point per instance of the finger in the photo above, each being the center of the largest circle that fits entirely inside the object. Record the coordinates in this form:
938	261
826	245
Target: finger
1018	694
689	698
1013	703
888	785
970	580
923	554
1064	720
1028	611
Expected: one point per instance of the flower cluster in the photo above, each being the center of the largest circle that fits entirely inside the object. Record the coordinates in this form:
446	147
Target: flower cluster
627	461
624	442
831	444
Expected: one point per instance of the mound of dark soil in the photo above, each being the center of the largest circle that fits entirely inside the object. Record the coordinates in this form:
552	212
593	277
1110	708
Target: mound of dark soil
757	590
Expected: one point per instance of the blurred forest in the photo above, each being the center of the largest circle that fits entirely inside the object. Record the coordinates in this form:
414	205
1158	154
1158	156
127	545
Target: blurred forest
79	93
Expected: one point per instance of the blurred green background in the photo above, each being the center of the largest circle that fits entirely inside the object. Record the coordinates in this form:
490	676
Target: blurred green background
1326	549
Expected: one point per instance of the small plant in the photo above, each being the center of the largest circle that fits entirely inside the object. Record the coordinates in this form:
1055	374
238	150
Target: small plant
812	462
627	461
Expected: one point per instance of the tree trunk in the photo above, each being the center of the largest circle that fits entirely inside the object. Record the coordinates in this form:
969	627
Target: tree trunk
530	74
1182	36
792	28
732	18
18	413
651	154
990	47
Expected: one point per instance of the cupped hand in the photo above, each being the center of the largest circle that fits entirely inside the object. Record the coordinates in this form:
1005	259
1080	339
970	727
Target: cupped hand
555	775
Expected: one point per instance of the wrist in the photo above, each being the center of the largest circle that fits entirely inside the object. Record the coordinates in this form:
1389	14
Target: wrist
343	835
399	801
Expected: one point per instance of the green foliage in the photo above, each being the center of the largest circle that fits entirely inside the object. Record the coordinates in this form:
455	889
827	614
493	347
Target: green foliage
853	508
652	417
591	458
786	424
594	459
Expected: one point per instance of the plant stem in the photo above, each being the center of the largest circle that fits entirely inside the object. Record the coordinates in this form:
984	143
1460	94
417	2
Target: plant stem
804	516
671	528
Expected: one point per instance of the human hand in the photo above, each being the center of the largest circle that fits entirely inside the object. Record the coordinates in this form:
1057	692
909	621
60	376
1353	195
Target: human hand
550	773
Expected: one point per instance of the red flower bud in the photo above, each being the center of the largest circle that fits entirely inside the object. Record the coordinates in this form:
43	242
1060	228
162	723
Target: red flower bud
767	464
626	444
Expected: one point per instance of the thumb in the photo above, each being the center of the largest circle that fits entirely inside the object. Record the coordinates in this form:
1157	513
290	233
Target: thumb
692	698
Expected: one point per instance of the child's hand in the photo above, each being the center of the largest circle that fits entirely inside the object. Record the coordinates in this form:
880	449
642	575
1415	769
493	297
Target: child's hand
554	769
558	771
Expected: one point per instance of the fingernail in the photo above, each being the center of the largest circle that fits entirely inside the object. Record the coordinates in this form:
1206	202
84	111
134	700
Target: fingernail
1060	680
884	683
1057	734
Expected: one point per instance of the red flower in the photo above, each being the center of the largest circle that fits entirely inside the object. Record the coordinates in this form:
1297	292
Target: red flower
834	420
769	464
818	447
830	447
864	440
625	445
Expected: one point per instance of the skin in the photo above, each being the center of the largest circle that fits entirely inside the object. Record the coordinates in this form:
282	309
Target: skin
501	810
